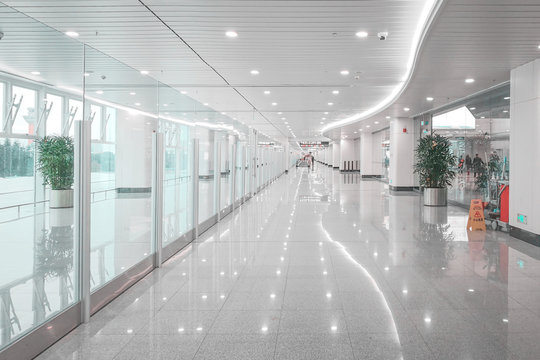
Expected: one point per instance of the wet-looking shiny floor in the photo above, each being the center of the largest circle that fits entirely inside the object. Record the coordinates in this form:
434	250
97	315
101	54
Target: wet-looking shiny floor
322	265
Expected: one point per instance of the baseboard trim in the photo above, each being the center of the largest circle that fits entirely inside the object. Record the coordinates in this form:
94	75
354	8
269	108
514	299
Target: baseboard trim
524	235
372	176
401	188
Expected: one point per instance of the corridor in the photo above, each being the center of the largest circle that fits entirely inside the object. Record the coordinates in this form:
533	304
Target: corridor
323	265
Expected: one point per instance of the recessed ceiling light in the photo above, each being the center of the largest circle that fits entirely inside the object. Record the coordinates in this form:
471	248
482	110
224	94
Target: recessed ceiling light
35	73
429	98
137	104
144	72
469	80
326	113
283	118
368	126
323	118
344	72
132	93
99	92
360	129
335	92
505	111
266	92
330	103
183	92
362	34
376	122
406	109
322	122
286	123
86	74
279	113
72	34
231	34
274	104
388	117
254	72
507	98
206	104
473	108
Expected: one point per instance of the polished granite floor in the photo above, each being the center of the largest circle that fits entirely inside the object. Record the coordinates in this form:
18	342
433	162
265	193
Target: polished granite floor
325	266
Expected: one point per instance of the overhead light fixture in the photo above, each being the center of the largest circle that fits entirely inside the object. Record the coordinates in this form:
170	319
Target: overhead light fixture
86	74
274	104
144	72
323	118
35	73
507	98
137	104
266	92
72	34
206	104
376	122
330	103
279	113
254	72
231	34
473	108
406	109
388	117
99	92
344	72
335	92
132	93
429	98
469	80
283	118
368	126
183	92
362	34
322	122
326	113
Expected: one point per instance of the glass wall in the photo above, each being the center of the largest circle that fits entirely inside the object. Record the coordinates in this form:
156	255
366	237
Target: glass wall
38	248
70	87
479	130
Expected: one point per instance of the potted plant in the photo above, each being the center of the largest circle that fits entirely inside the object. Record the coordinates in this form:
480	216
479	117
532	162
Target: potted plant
434	162
55	162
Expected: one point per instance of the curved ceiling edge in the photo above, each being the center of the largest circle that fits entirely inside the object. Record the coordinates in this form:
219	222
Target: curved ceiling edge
429	14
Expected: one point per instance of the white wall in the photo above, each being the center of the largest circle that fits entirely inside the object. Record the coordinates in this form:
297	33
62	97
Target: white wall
525	146
347	153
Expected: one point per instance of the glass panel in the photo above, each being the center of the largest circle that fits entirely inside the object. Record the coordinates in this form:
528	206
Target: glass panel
121	167
75	114
206	174
483	151
178	165
25	116
54	119
226	171
95	117
38	257
239	170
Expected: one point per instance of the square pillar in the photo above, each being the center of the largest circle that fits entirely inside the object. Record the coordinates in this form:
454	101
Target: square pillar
402	143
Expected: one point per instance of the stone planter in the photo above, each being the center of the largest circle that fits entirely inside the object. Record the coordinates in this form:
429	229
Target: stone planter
435	197
61	199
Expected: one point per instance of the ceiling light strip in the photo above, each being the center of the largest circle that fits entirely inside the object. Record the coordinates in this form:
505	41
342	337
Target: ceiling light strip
428	15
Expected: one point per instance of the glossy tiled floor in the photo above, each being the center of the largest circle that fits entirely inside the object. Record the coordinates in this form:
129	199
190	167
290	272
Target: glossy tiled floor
325	266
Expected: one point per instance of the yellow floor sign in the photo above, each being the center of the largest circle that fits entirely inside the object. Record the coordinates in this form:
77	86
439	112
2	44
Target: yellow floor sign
476	220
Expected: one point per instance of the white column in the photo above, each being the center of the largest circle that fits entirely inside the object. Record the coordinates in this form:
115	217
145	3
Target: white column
524	149
366	155
402	141
336	155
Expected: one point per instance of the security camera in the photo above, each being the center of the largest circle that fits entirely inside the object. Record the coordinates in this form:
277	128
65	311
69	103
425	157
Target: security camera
1	35
382	35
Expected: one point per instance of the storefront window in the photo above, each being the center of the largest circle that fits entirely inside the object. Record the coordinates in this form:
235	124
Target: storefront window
479	130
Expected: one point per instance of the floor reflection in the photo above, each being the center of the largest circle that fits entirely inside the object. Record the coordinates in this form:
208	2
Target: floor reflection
362	274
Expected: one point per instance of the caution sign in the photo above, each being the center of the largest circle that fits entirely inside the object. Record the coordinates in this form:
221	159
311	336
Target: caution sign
476	220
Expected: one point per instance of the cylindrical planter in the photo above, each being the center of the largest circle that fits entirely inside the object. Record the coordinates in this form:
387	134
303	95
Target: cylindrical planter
435	196
61	199
435	215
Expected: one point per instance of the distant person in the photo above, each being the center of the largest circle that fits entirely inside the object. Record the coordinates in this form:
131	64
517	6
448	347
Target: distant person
468	164
460	164
477	165
312	161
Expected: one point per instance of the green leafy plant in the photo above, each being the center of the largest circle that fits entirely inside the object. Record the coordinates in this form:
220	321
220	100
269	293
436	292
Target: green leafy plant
434	161
55	161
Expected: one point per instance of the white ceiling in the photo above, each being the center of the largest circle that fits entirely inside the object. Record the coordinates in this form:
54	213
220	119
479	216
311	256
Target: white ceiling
299	47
